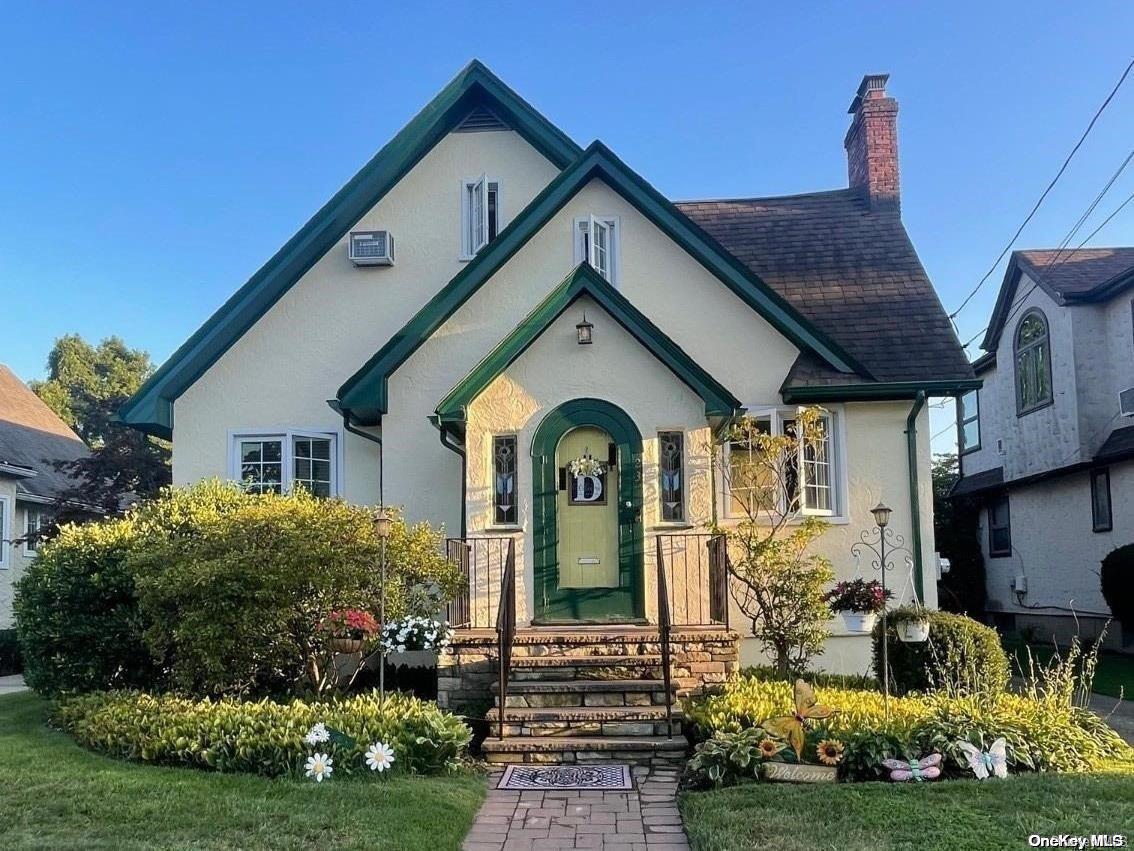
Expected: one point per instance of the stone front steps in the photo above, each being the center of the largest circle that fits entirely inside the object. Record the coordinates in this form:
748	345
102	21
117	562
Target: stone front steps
544	693
589	721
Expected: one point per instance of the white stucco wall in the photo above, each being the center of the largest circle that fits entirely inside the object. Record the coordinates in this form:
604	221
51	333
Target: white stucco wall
281	372
1054	546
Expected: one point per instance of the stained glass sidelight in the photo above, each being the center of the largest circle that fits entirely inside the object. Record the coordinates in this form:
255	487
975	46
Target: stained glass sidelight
671	449
504	479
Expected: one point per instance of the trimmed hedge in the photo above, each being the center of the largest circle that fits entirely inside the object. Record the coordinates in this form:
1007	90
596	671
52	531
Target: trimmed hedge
1117	581
1042	735
263	737
961	655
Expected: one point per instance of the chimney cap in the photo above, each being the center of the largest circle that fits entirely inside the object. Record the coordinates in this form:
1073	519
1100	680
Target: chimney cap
870	83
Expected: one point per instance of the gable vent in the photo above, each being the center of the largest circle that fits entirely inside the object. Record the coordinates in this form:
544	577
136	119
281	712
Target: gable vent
1126	402
480	119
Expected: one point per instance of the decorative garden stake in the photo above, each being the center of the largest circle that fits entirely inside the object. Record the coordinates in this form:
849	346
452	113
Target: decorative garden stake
382	527
884	549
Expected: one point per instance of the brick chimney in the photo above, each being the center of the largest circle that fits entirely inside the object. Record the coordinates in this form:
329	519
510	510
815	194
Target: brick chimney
872	144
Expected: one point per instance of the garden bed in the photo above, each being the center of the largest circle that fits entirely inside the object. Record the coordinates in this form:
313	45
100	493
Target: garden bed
58	795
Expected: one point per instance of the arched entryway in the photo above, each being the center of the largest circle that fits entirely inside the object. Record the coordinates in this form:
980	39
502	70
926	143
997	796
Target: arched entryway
571	513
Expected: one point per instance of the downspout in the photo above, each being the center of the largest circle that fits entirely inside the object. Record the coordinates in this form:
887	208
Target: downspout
460	450
381	456
915	498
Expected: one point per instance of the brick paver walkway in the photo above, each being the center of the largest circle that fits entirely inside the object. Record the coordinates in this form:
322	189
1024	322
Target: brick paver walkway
645	819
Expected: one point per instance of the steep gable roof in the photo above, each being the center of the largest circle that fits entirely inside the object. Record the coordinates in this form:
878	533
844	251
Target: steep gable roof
584	281
151	408
1068	277
365	393
851	272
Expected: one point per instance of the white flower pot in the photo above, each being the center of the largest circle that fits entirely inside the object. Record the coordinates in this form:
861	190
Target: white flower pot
913	632
859	623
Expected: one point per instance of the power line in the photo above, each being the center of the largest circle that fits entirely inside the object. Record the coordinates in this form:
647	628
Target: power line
1046	191
1056	261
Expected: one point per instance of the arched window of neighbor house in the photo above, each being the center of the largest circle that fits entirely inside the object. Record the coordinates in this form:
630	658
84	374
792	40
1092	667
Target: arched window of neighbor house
1033	363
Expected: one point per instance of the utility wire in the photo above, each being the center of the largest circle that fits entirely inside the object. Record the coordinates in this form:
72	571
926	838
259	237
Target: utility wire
1046	191
1055	261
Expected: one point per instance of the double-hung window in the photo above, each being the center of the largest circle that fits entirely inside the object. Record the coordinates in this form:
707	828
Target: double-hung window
480	214
804	480
1102	519
597	244
999	526
277	462
5	531
34	521
504	511
968	422
671	475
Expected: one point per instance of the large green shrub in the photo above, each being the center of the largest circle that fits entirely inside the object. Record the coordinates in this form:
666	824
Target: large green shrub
235	587
1117	578
960	654
77	615
263	737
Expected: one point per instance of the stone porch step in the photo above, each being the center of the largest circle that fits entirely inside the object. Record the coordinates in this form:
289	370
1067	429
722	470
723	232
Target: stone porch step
566	693
550	686
635	749
643	661
588	721
583	714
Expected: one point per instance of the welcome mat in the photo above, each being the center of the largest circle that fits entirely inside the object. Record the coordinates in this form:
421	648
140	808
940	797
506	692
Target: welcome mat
615	778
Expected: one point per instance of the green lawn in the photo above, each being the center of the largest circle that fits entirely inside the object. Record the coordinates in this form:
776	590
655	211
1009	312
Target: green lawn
57	795
1114	675
955	814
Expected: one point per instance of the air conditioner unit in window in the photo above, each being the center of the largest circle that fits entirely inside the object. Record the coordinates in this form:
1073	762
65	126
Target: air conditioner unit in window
371	248
1126	402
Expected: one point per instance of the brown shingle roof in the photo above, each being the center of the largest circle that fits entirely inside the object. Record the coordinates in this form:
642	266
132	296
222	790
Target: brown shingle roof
1076	273
32	436
851	272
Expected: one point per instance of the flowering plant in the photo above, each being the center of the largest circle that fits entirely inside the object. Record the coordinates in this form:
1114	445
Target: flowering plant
585	465
379	756
350	623
414	633
858	595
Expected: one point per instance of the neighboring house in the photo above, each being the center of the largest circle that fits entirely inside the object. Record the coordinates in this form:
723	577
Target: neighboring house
486	301
1047	443
31	438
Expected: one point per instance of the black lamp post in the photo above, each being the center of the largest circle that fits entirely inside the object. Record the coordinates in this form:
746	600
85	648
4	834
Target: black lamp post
382	527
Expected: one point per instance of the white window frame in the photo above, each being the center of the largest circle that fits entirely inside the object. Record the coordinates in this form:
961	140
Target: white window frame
470	246
6	506
583	254
287	436
31	549
839	478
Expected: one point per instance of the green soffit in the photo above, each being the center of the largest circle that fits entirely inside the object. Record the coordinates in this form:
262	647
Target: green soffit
151	408
719	402
365	393
877	391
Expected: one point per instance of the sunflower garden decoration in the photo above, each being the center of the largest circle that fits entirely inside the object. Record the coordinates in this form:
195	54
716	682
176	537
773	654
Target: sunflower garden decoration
813	764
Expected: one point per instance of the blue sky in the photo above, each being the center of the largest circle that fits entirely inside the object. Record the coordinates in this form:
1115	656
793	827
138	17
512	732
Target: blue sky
154	155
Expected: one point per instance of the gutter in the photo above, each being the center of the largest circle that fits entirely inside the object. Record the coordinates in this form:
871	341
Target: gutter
373	438
915	499
460	450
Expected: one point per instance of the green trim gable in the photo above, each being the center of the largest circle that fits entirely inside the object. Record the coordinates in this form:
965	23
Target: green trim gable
151	408
365	393
719	402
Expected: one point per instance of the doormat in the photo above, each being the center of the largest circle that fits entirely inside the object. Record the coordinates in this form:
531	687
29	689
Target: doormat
614	778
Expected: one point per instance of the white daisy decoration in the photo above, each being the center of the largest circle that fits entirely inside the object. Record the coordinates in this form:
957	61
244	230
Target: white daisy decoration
379	756
319	765
317	734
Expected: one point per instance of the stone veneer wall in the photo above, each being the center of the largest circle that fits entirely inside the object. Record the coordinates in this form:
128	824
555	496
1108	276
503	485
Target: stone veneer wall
467	670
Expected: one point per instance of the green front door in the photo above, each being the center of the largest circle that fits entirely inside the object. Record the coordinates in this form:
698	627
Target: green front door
587	525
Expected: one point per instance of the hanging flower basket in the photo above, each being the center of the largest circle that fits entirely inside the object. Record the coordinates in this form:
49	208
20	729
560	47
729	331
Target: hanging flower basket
346	645
798	772
348	629
415	641
913	631
859	623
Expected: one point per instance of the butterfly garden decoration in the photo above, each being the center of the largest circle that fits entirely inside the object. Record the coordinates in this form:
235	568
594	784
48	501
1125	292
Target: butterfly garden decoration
990	763
793	728
922	769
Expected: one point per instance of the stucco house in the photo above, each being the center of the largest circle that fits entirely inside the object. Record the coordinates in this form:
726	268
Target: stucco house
1047	443
486	301
31	438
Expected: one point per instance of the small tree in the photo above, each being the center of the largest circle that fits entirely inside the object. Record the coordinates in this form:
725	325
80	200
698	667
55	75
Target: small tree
775	581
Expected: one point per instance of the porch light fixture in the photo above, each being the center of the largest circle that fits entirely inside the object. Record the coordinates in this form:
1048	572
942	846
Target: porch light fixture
584	329
881	514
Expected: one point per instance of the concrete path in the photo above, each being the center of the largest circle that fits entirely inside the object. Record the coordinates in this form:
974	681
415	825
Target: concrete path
12	684
644	819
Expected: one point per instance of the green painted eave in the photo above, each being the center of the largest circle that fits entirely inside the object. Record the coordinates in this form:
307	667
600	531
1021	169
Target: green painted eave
366	389
584	281
150	409
878	391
